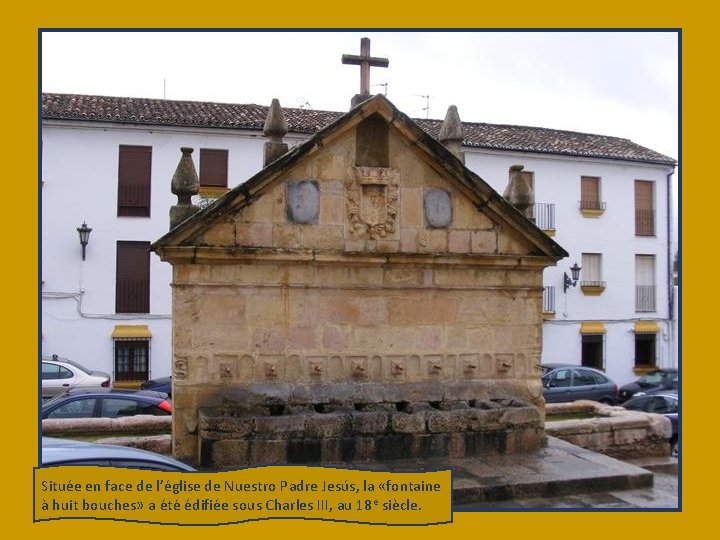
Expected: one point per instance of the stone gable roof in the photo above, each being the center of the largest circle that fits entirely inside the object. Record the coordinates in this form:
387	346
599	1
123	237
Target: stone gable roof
485	197
144	111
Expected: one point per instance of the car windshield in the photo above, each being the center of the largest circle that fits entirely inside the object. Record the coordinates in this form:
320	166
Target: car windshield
655	377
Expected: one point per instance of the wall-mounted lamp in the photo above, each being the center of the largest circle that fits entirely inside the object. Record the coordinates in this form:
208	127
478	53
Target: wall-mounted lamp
84	232
567	282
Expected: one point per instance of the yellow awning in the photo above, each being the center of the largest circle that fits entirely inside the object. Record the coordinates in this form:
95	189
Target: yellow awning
592	328
646	327
136	331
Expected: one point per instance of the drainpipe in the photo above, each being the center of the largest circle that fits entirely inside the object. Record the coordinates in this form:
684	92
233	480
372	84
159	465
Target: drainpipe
671	301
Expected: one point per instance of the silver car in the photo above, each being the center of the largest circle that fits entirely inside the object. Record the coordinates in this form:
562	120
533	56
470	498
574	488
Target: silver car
57	452
62	374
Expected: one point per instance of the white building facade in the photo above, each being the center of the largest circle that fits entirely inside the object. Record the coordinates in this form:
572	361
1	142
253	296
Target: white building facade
607	205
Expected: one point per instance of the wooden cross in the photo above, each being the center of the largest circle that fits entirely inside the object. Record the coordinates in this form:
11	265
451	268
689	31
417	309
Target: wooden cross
364	61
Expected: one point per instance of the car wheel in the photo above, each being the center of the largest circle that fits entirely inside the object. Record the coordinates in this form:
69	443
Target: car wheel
674	450
606	401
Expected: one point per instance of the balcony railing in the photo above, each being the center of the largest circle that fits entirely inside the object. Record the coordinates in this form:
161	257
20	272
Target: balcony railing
549	300
593	284
544	214
644	222
645	298
592	205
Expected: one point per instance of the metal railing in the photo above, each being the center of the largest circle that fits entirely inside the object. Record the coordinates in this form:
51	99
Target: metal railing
544	214
645	298
548	300
592	205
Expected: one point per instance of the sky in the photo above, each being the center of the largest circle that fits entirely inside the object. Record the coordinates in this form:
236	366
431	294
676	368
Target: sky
620	83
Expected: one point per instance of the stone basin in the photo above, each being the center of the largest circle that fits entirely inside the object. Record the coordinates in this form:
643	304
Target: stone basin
276	433
610	430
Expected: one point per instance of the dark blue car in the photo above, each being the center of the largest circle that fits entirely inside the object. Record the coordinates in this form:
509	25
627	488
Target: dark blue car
665	403
569	383
659	379
161	384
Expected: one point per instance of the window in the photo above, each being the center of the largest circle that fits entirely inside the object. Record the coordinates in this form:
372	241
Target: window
116	407
132	281
54	372
213	171
583	378
645	350
644	283
644	208
592	350
591	204
77	408
131	360
561	378
548	300
134	166
592	283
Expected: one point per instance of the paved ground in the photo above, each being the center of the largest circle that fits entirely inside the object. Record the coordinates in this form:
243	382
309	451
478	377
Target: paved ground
561	476
662	495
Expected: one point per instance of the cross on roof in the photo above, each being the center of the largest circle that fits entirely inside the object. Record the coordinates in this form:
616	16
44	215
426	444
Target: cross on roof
364	61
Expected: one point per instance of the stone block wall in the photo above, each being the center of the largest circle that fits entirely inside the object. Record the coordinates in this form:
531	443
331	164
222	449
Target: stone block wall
379	432
350	285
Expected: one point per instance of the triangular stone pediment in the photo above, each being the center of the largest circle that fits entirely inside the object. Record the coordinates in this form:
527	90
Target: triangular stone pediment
373	182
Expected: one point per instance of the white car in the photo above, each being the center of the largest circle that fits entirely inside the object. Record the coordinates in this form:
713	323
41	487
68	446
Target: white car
61	374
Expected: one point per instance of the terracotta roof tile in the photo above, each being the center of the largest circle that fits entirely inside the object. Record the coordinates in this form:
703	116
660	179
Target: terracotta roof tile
144	111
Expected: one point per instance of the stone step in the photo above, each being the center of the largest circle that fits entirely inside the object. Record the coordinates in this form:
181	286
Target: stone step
667	465
558	469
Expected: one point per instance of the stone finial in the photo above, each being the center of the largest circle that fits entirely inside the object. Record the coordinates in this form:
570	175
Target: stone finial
185	184
451	133
275	129
518	192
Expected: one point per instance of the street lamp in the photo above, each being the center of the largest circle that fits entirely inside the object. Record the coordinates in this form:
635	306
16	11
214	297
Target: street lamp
567	282
84	232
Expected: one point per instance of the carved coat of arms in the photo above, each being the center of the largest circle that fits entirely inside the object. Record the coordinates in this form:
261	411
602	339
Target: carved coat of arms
372	200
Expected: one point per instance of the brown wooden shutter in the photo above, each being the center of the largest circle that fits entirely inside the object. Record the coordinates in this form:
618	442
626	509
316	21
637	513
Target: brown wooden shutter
213	168
132	293
134	168
644	208
590	193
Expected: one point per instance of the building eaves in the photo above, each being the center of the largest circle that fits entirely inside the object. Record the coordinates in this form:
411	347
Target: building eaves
145	111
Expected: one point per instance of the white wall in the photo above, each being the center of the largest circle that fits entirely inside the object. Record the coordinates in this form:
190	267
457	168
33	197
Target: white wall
613	234
80	184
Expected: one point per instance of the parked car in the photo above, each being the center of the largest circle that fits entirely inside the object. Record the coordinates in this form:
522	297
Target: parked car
107	403
62	374
545	368
161	384
569	383
665	403
57	452
659	379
